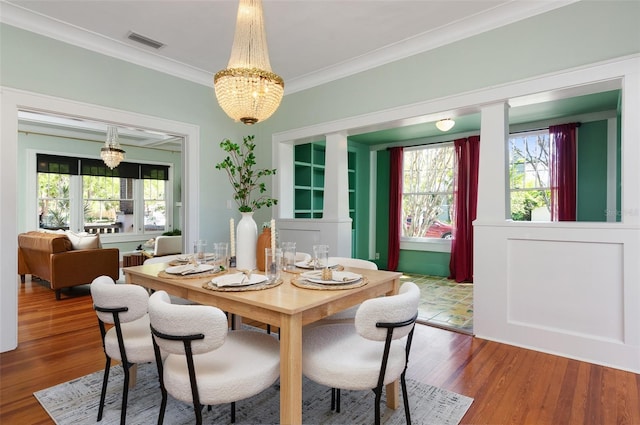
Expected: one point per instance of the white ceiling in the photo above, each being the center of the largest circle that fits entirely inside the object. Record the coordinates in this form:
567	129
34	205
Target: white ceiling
310	41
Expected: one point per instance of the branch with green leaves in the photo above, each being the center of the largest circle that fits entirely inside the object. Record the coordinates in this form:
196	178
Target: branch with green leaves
244	179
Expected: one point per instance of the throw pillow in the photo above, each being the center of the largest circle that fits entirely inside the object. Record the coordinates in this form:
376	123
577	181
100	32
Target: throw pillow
84	240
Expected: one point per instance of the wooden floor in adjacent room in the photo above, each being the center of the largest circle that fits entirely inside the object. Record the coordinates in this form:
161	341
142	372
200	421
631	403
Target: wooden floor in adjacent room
60	340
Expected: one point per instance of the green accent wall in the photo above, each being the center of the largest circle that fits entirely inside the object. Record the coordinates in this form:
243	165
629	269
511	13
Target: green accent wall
421	262
591	164
424	262
361	223
382	207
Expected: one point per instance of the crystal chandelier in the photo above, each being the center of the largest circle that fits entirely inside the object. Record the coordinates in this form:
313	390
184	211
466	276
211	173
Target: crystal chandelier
247	90
112	154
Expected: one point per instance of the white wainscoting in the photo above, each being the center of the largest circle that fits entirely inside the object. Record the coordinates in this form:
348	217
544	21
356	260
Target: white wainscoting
571	289
309	232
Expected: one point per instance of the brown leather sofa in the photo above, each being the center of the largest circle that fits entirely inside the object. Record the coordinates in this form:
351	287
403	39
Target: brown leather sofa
51	257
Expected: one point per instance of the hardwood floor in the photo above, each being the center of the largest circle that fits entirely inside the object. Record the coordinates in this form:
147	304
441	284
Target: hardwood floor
59	341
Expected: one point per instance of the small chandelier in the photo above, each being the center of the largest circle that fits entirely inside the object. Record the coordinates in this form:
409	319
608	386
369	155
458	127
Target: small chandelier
112	154
445	124
247	90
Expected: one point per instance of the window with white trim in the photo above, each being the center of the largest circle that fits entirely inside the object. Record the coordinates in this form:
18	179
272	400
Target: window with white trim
529	176
130	199
427	198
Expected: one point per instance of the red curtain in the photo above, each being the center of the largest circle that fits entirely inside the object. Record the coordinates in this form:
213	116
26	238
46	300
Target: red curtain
563	171
395	207
466	202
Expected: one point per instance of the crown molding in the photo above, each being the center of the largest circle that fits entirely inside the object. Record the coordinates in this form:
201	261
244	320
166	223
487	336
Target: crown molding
40	24
501	15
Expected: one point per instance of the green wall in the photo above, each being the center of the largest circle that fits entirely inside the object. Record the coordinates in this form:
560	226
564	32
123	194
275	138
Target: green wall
592	172
591	205
360	243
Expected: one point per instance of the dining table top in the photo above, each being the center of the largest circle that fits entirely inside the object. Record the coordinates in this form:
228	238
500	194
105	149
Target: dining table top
285	298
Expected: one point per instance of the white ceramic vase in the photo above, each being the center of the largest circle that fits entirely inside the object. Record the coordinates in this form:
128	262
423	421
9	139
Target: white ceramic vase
246	240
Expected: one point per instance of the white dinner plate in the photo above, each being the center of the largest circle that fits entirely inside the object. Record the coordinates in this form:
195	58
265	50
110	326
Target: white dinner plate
309	265
238	279
190	269
338	278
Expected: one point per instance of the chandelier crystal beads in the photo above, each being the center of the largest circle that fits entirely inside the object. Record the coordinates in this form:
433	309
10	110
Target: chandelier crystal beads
112	154
247	90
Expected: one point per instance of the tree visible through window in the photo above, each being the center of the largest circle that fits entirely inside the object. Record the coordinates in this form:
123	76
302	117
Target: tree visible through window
53	200
529	176
129	199
427	198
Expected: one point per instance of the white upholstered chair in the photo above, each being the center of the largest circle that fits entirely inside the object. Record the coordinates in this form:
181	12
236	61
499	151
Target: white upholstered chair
163	259
350	313
367	354
129	339
302	256
166	245
207	364
353	262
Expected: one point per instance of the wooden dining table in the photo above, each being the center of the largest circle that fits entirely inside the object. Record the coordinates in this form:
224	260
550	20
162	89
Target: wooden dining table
285	306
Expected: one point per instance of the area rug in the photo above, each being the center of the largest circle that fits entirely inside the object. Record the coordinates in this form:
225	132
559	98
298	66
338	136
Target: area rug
76	402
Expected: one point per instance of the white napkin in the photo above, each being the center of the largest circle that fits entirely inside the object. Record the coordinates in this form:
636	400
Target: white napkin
238	279
190	269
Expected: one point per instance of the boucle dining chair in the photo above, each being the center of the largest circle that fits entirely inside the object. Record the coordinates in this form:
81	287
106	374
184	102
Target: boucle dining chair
367	354
350	313
206	363
129	339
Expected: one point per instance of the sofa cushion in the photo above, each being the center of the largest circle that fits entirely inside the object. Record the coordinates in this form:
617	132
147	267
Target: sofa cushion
84	240
50	242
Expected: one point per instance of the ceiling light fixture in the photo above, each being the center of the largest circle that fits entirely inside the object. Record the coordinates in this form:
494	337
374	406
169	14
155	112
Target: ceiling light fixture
112	154
247	90
445	124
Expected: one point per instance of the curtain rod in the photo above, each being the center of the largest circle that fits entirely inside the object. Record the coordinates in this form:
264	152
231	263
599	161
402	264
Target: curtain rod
578	124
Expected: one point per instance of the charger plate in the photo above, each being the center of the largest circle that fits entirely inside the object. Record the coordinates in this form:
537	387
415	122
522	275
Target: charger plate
303	283
256	287
214	272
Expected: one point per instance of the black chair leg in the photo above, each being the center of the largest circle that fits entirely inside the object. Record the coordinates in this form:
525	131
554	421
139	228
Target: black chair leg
198	409
163	405
233	412
378	392
337	400
333	399
405	396
125	394
103	394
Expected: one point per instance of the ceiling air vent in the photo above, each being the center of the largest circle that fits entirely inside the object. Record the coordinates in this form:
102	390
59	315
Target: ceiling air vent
144	40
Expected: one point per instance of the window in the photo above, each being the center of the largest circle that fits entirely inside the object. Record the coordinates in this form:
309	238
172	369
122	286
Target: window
53	200
427	198
129	199
529	176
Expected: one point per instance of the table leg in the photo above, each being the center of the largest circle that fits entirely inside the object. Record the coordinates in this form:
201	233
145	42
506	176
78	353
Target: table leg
393	401
392	390
291	370
133	375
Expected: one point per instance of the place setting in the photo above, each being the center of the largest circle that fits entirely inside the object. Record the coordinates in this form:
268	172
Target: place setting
326	276
199	263
320	260
242	281
328	279
248	280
